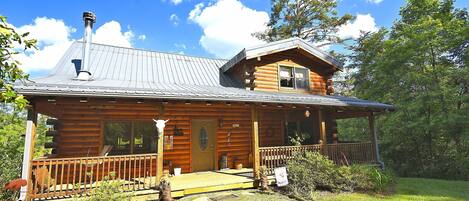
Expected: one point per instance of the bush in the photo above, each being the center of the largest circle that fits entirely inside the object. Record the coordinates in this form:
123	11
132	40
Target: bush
108	189
312	171
369	178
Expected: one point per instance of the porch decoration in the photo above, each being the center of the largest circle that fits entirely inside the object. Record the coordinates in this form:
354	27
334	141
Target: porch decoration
165	189
264	182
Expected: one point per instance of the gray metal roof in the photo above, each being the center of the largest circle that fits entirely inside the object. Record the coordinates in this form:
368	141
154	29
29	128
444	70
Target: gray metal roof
279	46
128	72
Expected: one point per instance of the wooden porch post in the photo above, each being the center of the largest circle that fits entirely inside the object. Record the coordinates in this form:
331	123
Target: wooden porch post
374	138
159	157
26	173
322	127
255	141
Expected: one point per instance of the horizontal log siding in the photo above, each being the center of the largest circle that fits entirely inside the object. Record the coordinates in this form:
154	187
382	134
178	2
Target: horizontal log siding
271	128
81	127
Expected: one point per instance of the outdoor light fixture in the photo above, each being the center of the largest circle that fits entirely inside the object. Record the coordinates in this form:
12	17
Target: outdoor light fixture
187	102
83	100
293	106
307	113
165	102
264	105
140	100
208	103
112	100
228	103
51	99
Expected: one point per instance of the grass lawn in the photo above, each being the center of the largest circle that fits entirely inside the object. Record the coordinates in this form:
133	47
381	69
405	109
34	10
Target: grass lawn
410	189
414	189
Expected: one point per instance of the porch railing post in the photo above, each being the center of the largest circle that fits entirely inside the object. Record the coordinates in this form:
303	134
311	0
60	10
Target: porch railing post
26	173
255	141
374	138
322	131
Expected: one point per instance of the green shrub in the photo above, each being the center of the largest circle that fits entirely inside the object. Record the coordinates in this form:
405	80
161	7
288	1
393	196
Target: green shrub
108	189
312	171
369	178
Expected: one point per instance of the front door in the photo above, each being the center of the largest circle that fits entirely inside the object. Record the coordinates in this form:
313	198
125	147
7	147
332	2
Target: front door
203	145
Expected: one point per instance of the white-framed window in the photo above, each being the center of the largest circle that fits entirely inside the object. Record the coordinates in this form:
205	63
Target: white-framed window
294	77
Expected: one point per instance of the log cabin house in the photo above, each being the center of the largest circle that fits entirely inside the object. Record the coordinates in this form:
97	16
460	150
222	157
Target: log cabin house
222	114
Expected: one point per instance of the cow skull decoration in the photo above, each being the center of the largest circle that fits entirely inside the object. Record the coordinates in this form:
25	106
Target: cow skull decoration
160	124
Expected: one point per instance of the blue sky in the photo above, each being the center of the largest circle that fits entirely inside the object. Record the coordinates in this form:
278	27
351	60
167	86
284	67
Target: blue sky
201	28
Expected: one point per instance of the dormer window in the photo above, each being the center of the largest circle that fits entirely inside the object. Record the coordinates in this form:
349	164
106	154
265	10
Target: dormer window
294	77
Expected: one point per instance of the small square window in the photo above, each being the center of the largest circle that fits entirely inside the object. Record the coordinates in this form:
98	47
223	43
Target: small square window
296	78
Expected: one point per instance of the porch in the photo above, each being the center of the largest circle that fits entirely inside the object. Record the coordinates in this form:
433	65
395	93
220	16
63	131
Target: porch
65	177
251	135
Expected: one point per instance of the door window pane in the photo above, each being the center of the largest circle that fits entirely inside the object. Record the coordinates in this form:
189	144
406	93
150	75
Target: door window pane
203	137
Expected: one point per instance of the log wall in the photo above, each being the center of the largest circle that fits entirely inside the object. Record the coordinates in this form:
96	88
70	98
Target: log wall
81	126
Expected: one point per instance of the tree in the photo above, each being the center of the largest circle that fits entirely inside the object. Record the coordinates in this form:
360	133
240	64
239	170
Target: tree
420	66
316	21
9	67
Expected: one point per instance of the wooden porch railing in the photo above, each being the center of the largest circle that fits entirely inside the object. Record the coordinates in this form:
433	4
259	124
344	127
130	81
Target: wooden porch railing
60	177
344	153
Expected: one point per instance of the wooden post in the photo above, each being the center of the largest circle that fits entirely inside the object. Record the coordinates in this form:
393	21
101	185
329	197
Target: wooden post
322	127
159	156
26	173
374	138
255	141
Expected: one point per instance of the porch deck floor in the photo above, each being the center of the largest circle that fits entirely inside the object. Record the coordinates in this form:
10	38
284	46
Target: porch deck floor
211	179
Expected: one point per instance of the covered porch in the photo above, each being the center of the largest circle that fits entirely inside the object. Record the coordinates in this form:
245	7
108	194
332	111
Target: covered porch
250	134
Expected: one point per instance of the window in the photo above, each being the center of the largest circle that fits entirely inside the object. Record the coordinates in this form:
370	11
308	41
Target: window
296	78
127	137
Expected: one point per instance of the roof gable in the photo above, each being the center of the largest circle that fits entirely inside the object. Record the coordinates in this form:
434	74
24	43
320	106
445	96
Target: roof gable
279	46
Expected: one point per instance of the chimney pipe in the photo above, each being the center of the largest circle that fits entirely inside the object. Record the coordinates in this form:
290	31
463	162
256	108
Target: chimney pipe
84	73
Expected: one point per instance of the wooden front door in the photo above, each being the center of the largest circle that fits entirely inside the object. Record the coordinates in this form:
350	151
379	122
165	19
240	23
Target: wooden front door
203	145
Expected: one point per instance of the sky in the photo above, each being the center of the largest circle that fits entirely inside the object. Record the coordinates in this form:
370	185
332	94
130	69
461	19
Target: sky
210	28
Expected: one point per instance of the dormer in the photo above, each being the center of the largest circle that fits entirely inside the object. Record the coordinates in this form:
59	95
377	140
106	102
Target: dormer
289	66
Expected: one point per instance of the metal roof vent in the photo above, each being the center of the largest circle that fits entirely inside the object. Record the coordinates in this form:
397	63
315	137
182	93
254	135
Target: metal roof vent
84	73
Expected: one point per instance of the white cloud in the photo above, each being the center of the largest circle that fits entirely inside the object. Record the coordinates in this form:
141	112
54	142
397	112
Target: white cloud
180	46
54	38
174	19
374	1
228	26
363	22
142	37
176	2
110	33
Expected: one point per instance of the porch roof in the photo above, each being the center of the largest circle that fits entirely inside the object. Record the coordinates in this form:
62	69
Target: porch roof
133	73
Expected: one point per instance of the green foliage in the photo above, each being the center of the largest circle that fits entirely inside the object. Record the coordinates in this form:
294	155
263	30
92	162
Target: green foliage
109	189
12	129
419	66
312	171
9	67
314	20
298	138
368	178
